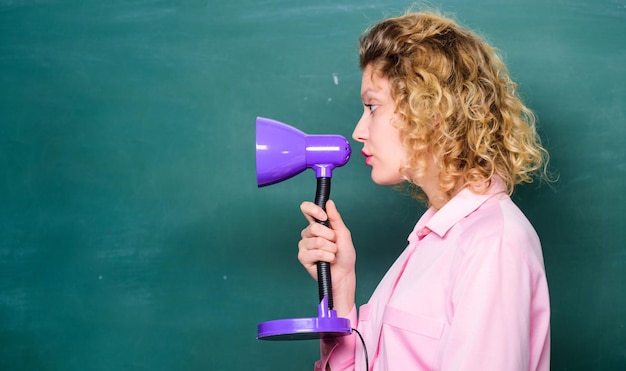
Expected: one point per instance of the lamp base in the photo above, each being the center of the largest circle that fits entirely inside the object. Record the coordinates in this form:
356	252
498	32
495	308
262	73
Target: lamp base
325	325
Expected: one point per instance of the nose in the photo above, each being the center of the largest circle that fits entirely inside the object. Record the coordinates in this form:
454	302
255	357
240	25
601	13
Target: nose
360	130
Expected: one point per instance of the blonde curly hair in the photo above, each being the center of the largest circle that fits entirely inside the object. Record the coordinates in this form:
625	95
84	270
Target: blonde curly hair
455	101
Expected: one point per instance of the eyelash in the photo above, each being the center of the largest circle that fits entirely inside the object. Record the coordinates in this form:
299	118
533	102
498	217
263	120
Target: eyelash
372	107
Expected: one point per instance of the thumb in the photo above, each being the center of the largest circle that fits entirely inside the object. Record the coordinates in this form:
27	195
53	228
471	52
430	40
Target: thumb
334	217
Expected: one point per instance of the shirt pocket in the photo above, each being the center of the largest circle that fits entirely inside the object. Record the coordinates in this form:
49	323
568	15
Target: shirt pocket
414	323
409	340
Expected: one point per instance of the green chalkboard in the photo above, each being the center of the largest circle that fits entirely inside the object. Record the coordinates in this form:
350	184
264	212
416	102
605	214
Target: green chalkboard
133	235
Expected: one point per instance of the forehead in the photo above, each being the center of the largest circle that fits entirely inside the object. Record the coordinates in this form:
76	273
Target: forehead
373	82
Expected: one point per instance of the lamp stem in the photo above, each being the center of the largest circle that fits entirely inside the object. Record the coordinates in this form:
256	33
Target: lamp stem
324	280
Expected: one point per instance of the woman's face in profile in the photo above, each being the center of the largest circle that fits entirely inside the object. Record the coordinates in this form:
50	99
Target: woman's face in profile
381	139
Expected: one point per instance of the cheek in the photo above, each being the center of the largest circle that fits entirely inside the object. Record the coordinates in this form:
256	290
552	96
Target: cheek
395	144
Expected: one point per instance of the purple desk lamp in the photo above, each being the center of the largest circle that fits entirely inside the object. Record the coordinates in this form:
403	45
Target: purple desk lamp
281	153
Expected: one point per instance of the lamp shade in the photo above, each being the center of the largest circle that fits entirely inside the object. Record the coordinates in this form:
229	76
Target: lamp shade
283	151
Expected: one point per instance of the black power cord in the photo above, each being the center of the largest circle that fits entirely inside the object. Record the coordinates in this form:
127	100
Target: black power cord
367	366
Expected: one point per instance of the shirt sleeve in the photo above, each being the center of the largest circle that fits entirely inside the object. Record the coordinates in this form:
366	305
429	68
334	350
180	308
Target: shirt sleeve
490	309
337	354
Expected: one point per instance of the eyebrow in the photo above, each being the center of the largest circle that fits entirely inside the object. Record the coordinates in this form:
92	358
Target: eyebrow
363	94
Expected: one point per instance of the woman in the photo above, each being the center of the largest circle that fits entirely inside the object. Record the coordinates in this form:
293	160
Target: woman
470	291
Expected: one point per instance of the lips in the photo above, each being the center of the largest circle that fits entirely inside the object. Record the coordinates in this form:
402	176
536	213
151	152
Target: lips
368	157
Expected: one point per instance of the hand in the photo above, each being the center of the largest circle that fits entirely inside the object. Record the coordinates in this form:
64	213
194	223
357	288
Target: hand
333	245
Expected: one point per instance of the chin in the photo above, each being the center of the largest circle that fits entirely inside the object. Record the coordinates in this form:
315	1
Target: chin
386	180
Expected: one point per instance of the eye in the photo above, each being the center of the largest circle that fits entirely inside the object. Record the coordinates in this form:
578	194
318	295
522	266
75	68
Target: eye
371	107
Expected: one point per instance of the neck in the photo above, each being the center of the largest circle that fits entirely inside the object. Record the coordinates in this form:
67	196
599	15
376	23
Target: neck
437	197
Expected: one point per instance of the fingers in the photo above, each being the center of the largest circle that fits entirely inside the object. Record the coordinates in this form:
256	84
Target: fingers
318	237
313	249
310	251
312	212
328	244
319	242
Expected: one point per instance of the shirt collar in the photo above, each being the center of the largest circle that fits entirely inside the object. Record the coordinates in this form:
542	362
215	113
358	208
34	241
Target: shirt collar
460	206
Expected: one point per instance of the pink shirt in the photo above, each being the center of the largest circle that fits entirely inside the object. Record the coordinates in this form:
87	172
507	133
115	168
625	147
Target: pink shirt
468	293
